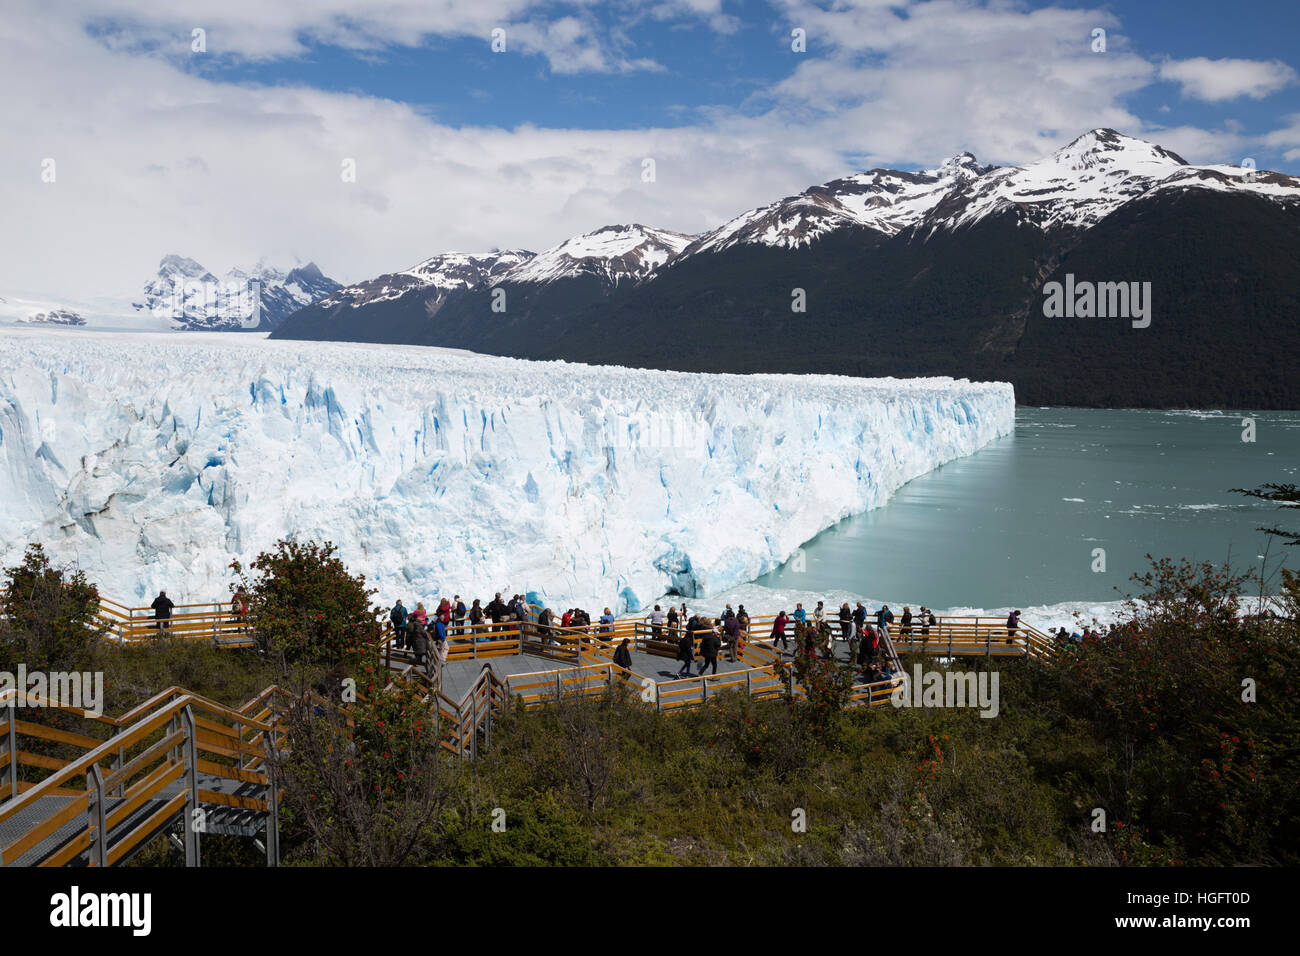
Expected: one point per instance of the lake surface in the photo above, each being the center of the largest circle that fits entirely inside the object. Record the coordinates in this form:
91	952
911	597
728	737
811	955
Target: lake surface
1018	522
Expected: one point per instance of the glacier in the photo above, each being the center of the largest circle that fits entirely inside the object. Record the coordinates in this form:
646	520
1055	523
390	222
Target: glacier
152	460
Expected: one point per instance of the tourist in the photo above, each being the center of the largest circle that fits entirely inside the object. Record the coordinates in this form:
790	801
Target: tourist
623	656
419	636
656	619
496	610
884	617
686	650
710	644
731	627
859	618
846	621
1013	624
607	623
441	650
819	613
457	615
397	617
476	616
906	628
239	610
778	629
673	619
162	610
545	625
800	615
742	616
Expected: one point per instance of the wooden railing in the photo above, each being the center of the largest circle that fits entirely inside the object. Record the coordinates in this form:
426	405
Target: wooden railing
176	754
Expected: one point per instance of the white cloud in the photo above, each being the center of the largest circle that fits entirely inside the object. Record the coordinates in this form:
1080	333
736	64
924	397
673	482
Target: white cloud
154	159
1227	79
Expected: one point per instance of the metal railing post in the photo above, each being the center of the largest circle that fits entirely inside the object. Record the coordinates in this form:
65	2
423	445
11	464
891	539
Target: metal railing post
557	686
12	737
273	805
192	781
99	839
749	683
473	725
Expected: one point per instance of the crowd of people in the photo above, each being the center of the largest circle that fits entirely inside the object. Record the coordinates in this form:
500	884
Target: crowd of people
696	636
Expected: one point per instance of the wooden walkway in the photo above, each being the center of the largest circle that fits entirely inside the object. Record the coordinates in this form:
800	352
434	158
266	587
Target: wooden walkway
106	791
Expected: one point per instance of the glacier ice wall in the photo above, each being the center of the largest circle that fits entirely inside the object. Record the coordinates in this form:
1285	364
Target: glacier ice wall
152	460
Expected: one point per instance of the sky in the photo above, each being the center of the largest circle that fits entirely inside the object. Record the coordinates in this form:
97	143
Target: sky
225	130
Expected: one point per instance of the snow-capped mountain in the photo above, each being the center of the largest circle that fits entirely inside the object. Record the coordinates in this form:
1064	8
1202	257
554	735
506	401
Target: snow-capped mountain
192	298
886	200
1087	180
939	271
611	254
56	317
443	275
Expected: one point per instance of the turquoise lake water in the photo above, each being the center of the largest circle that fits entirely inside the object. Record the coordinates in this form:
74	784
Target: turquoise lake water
1018	522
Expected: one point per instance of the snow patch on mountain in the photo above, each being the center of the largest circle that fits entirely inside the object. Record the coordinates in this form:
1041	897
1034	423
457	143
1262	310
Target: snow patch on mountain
885	200
1086	180
442	275
612	254
154	460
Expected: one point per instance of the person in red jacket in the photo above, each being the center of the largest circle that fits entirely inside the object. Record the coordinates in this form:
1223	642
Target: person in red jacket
778	630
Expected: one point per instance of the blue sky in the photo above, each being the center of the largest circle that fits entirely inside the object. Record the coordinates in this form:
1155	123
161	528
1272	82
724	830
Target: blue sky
452	80
232	153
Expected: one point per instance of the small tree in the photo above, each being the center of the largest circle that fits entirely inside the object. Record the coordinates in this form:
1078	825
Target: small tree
367	782
827	687
306	606
50	617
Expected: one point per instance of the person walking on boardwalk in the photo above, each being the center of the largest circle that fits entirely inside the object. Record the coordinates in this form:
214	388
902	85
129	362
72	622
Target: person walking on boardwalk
623	656
397	617
686	652
778	629
1013	624
162	610
731	626
710	644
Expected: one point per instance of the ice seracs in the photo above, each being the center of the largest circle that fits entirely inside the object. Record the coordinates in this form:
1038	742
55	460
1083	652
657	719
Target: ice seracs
153	460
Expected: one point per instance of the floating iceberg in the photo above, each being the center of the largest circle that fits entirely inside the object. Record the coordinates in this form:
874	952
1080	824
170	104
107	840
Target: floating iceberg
153	460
